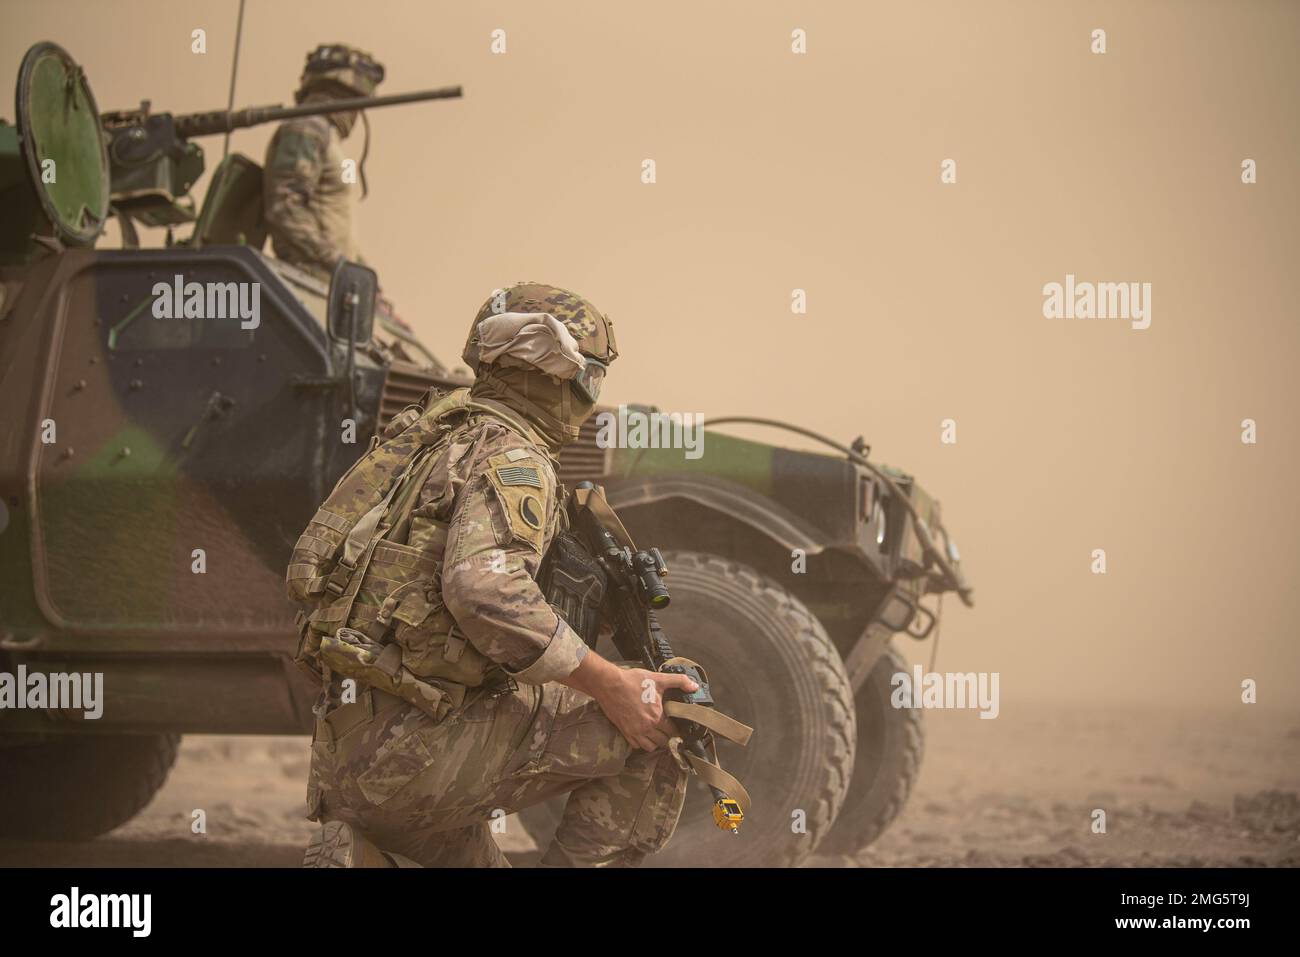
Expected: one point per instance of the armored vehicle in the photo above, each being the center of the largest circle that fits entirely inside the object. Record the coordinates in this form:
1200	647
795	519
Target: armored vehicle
155	473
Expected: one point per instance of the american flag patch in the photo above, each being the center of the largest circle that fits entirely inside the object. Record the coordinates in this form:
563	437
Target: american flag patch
520	475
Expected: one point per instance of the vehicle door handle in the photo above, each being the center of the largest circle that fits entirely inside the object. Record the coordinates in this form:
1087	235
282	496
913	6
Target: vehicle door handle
218	405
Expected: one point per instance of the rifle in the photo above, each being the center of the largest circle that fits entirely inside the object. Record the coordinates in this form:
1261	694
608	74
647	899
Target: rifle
635	592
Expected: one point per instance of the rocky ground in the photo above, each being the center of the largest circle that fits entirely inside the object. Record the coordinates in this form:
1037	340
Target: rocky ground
1178	789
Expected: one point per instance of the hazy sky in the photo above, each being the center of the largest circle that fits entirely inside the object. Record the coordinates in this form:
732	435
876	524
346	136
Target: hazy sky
821	172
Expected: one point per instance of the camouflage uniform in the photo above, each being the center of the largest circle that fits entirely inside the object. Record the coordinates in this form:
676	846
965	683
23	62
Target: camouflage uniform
428	788
308	205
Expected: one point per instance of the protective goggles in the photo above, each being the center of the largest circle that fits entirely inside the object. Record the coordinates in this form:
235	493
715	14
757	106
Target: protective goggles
587	382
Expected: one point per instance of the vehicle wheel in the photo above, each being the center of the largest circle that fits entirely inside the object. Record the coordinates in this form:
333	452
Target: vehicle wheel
771	665
891	742
75	787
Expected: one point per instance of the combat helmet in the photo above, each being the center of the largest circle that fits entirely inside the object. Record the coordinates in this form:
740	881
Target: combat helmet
334	65
592	329
549	349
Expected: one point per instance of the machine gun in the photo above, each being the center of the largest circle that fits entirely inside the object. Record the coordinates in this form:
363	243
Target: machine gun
64	166
152	164
635	592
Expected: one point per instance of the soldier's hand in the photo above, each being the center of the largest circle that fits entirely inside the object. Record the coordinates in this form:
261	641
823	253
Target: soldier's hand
632	698
645	725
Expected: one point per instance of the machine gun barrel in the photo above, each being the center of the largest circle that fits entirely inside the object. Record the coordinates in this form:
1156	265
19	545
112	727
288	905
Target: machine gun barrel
224	121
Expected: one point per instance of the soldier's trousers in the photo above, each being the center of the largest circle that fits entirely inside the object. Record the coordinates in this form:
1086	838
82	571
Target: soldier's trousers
430	789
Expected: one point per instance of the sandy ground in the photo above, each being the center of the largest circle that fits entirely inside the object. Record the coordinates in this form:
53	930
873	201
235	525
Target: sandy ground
1178	790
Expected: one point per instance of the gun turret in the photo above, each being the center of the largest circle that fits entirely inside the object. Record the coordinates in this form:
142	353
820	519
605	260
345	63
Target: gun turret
153	165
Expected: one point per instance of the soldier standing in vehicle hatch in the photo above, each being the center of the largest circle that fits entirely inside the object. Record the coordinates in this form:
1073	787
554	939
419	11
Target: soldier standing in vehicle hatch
307	201
532	711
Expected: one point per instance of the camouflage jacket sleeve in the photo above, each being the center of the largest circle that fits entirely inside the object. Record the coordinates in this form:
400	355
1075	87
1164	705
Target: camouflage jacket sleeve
505	515
295	164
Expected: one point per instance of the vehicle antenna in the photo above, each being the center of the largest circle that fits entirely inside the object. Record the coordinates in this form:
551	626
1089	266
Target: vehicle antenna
234	72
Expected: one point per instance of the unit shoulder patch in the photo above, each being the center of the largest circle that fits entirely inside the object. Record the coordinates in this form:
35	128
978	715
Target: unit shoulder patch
526	491
531	511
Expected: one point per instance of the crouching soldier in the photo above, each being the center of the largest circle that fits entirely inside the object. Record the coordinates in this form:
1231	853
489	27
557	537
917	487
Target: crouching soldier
452	693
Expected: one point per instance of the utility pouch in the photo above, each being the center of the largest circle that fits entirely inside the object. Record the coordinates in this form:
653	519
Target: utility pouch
353	654
400	598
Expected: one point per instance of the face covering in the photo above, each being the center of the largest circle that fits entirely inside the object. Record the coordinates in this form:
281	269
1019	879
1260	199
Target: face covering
549	404
343	122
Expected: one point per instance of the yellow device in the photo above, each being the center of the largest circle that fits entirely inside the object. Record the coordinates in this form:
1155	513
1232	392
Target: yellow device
728	815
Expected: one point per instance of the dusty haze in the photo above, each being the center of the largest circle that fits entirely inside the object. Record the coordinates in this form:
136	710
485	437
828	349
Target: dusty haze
821	172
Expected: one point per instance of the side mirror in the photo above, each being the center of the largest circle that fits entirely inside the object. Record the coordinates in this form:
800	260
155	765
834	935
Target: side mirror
351	312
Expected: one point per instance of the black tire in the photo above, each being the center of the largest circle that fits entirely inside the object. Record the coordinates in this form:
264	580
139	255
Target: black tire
76	787
891	743
771	665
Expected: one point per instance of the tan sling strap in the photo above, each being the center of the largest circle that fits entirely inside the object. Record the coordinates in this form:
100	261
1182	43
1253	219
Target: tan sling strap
712	774
715	721
594	499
